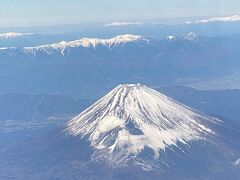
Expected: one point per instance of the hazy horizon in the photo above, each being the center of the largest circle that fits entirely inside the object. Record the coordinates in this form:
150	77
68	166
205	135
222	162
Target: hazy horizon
44	13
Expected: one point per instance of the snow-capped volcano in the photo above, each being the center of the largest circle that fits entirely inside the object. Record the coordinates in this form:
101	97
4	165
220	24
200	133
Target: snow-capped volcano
133	117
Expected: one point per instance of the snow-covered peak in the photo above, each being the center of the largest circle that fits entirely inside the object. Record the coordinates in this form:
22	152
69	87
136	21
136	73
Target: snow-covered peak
119	24
237	162
132	117
87	42
170	38
234	18
12	35
190	36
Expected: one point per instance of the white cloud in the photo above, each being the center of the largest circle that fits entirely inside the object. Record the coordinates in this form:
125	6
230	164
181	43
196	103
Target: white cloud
118	24
11	35
233	18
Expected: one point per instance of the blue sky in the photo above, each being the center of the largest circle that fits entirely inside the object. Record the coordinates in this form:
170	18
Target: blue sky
45	12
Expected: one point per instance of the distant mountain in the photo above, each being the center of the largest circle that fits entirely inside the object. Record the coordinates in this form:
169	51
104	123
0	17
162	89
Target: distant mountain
155	28
85	43
64	46
133	132
119	24
87	64
227	19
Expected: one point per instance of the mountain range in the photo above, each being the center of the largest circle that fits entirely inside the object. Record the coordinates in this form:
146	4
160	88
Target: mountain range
87	64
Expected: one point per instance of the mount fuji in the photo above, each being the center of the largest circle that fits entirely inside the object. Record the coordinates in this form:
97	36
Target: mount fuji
133	132
133	117
134	125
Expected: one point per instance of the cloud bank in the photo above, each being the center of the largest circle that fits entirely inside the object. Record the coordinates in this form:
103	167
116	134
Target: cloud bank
119	24
11	35
233	18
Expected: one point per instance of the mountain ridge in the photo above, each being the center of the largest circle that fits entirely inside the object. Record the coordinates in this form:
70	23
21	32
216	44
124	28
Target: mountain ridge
110	43
86	43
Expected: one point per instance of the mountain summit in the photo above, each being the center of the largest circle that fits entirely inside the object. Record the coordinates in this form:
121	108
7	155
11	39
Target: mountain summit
132	118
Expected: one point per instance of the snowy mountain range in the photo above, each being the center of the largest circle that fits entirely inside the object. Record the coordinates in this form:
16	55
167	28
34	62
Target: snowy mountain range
61	47
86	62
84	42
87	42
